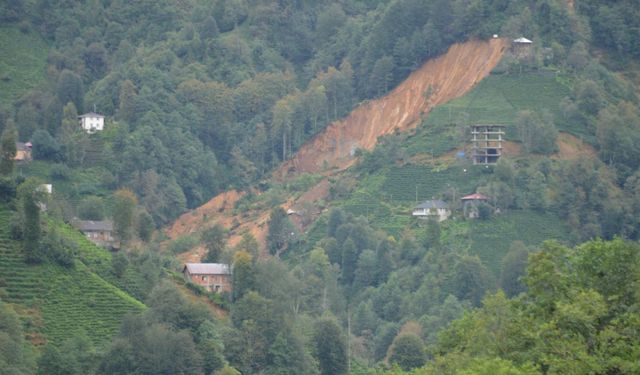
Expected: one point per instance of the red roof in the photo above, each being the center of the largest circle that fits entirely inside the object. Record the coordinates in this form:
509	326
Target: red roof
475	197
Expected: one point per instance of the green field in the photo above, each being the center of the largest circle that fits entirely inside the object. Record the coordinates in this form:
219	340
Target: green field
67	300
499	97
491	239
23	58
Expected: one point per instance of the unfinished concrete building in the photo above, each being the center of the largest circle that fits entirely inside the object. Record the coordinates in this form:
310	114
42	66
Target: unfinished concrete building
487	143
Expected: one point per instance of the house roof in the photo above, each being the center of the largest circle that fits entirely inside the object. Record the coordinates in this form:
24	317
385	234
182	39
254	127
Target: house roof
475	197
91	114
93	226
20	146
207	268
522	40
433	204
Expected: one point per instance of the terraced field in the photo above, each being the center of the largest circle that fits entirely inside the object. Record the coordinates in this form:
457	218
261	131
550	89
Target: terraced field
499	98
425	182
68	300
23	58
490	240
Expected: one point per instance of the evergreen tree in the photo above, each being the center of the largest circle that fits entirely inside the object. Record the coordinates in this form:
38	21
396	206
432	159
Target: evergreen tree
349	261
8	149
70	88
127	101
330	347
30	196
243	274
407	351
124	204
214	239
287	356
513	269
281	231
145	225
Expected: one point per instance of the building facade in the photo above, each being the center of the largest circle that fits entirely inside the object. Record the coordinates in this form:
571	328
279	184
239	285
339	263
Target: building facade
214	277
91	122
432	208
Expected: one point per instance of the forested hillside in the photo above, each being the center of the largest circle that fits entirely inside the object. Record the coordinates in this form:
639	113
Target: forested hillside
292	140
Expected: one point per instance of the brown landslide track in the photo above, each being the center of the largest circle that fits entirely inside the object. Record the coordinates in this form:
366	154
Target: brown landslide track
446	77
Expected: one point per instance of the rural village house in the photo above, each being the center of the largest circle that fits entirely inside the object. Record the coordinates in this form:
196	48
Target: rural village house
91	122
470	204
98	232
23	152
214	277
432	208
522	48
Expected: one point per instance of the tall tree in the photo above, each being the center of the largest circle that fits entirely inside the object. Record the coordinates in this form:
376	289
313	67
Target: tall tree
407	351
349	261
70	89
214	239
281	231
243	274
127	101
124	204
30	196
8	148
330	347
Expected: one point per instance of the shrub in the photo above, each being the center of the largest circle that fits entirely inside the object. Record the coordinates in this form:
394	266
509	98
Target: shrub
119	263
182	244
484	211
60	172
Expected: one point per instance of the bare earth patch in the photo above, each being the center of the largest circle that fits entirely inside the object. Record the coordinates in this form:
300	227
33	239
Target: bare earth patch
449	76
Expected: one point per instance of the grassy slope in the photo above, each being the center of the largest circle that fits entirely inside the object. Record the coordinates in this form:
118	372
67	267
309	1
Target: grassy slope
22	62
387	196
499	97
490	240
67	300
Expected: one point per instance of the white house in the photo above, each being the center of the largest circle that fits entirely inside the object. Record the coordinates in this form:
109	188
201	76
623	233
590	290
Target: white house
432	208
91	122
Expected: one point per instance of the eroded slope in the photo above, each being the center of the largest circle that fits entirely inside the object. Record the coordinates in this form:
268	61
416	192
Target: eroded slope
437	81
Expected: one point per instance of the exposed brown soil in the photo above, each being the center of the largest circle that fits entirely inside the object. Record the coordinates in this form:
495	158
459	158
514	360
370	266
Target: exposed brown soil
437	81
571	147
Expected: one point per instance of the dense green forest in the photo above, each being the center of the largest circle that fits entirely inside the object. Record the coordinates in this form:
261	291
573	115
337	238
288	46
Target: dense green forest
206	96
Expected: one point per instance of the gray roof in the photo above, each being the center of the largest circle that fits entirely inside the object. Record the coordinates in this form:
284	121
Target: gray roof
91	114
433	204
20	146
522	40
93	226
207	268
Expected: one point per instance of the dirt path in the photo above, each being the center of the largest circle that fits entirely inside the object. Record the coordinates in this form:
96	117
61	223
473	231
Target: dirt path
437	81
